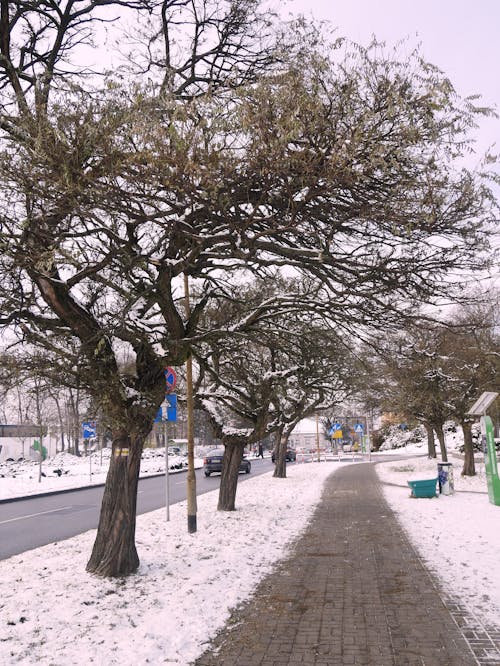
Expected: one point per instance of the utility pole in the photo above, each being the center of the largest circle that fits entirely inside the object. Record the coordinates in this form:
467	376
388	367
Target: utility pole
191	477
368	437
317	436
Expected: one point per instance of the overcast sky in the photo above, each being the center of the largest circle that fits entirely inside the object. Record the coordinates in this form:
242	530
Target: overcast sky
459	36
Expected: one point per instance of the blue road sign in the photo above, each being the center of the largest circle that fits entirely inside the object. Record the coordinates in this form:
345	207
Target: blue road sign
168	410
170	379
89	429
334	427
358	427
171	399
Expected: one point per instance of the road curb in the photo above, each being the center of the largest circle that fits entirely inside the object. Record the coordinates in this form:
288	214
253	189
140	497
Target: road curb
63	491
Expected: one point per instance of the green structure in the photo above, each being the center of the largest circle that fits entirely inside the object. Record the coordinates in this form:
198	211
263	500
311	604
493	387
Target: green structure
36	447
479	408
490	458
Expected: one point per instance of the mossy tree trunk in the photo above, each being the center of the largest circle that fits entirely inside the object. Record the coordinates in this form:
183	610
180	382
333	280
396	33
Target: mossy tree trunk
233	454
114	552
469	468
431	442
442	445
281	442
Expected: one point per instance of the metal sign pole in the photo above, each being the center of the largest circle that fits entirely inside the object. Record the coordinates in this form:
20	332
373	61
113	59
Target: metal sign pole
41	455
359	430
167	412
368	443
167	484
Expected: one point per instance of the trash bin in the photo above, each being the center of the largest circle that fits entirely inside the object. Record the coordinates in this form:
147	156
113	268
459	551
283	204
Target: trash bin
445	478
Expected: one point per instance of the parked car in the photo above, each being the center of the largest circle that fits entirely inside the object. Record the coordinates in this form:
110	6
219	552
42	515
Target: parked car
213	462
290	455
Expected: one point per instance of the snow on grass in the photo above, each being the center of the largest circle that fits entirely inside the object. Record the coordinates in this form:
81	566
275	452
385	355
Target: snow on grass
64	471
53	612
456	535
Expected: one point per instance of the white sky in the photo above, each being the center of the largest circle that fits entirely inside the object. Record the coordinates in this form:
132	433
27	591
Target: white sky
459	36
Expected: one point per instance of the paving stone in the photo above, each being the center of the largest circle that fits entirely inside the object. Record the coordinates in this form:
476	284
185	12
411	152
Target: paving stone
353	591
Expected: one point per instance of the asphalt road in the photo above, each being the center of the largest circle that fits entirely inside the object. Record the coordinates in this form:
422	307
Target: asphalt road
37	521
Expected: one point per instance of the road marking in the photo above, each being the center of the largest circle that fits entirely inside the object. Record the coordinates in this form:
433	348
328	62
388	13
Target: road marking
32	515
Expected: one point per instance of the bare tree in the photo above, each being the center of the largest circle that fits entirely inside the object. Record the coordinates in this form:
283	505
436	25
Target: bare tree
470	355
288	366
435	372
218	165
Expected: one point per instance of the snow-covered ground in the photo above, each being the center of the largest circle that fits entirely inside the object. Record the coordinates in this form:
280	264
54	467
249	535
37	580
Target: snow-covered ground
52	612
65	470
457	535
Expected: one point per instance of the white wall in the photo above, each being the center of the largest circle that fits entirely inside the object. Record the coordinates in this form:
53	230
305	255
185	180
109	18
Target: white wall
307	440
12	447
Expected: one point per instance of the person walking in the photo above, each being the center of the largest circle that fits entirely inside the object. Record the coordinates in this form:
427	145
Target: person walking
261	452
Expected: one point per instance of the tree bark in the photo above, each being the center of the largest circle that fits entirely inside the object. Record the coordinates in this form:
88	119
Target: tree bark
114	552
61	422
75	421
76	442
431	442
233	454
442	445
280	455
469	468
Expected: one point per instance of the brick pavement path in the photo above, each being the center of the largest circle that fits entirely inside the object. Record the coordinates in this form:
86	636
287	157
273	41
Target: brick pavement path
353	591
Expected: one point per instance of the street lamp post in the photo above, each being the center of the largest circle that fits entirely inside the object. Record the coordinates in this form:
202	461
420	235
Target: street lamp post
317	436
191	477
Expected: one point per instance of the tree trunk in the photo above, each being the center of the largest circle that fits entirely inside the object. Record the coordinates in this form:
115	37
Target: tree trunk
442	445
76	443
61	422
75	420
280	455
114	552
431	442
233	453
469	468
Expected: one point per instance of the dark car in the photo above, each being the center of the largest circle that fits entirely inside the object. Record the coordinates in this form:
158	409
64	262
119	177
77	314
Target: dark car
213	462
290	455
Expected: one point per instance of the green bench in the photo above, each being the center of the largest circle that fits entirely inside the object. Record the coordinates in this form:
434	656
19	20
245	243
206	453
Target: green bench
423	487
